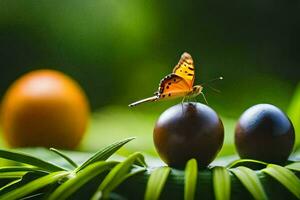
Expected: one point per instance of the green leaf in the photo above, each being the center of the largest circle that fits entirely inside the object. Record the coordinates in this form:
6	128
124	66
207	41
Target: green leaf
156	183
253	164
68	159
28	159
99	195
221	183
140	161
76	181
10	184
32	196
18	168
191	175
134	172
250	181
34	185
285	177
294	166
17	174
294	113
105	153
26	178
116	176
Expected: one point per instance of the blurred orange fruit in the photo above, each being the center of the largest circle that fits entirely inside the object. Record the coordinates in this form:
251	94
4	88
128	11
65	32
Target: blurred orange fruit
44	108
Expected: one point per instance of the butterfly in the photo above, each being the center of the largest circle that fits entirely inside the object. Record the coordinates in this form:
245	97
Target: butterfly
180	83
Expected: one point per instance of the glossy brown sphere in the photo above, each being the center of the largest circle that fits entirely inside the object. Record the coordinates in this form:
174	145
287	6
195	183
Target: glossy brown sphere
188	130
264	133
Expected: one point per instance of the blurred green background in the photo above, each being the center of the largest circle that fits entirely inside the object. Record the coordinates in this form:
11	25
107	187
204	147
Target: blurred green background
119	50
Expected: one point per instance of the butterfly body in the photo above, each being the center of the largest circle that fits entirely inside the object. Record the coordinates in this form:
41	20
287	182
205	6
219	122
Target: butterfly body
177	84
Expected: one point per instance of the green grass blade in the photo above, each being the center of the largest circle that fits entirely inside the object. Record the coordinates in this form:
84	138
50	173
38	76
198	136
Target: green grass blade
294	114
250	181
105	153
221	183
78	180
248	163
30	160
10	184
26	178
17	174
156	183
99	195
34	185
285	177
116	175
18	168
294	166
134	172
140	161
68	159
32	196
191	175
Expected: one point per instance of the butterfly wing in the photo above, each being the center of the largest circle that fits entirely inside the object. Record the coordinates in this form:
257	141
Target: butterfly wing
173	86
177	84
185	69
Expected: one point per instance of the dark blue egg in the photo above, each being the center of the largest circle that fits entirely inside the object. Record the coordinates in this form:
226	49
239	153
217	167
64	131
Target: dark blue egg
264	133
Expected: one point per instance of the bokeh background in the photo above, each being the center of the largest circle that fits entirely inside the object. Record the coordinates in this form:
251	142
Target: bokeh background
118	50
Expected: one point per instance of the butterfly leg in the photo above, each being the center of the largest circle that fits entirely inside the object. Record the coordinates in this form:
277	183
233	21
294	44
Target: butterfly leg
204	98
183	99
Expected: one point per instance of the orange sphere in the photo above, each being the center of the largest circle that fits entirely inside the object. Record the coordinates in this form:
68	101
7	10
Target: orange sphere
44	108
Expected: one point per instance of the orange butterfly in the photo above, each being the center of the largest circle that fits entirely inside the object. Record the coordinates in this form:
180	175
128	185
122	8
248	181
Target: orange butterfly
177	84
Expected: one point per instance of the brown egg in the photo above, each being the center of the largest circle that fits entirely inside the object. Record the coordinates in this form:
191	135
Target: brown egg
44	108
188	130
264	133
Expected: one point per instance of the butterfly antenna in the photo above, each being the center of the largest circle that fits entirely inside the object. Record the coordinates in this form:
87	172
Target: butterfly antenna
213	89
212	80
204	98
